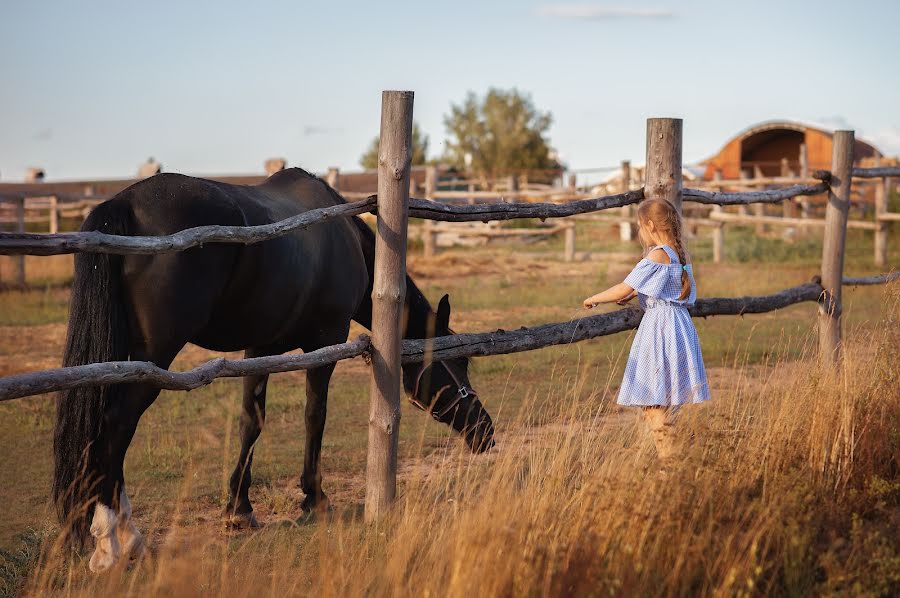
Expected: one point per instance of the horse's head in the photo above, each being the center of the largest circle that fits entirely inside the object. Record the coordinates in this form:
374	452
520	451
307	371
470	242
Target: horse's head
442	388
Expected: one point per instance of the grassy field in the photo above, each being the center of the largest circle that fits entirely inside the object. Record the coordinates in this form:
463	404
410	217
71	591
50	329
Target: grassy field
789	486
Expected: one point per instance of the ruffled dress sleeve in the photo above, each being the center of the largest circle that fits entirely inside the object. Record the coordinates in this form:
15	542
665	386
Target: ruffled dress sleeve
648	278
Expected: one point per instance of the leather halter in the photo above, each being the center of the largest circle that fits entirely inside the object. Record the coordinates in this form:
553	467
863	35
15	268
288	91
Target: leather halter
462	392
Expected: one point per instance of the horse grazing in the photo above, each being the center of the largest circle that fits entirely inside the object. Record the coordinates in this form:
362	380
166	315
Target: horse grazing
300	290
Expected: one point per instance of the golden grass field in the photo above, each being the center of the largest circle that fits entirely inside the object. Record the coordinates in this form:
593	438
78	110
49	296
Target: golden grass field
786	483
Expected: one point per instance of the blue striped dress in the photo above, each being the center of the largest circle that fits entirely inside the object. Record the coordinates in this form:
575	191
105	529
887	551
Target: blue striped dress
665	366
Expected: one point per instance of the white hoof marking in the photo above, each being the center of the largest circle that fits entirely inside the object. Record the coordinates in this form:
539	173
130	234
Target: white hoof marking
106	546
130	539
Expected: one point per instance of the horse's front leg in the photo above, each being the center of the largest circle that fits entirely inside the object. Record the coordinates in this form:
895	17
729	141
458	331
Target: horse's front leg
316	410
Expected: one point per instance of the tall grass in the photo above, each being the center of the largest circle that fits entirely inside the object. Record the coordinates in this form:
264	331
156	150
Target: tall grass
786	484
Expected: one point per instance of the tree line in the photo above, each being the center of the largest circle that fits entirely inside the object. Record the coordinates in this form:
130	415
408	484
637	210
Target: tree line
494	135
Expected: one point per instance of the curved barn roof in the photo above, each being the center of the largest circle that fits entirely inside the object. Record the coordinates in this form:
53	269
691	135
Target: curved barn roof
791	125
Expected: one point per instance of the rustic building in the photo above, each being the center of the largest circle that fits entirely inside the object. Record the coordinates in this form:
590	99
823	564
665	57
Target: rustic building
774	148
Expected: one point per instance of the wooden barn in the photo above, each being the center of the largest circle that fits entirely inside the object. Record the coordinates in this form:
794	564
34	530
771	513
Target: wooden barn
777	148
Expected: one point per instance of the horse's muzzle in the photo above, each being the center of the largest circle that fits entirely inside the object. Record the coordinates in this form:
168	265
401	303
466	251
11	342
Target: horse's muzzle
479	429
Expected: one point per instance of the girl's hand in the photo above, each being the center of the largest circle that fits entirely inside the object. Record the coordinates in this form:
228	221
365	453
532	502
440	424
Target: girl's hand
589	303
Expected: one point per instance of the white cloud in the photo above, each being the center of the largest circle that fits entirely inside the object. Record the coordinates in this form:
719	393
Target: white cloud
887	140
319	130
43	135
597	12
835	122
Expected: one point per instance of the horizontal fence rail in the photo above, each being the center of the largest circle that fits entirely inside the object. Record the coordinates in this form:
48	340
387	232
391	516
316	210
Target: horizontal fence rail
118	372
98	242
447	347
431	210
877	172
869	280
724	198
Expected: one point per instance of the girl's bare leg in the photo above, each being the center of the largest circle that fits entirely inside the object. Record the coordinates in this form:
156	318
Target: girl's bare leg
661	422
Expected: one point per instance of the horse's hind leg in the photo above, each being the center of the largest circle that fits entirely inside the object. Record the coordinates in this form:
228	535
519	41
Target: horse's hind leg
317	381
316	411
239	511
114	533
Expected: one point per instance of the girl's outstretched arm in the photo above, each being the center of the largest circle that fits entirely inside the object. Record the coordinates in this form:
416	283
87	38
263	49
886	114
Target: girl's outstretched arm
614	293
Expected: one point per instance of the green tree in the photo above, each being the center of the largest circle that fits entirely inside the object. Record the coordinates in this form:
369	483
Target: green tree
419	148
503	133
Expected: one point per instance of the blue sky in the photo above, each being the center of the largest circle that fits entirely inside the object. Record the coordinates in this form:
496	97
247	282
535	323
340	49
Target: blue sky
91	89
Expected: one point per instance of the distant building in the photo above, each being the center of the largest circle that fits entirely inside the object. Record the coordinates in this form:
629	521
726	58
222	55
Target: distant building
771	147
149	168
34	175
274	165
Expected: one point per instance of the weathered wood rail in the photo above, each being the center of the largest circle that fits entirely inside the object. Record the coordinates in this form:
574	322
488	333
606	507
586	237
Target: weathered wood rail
499	342
97	242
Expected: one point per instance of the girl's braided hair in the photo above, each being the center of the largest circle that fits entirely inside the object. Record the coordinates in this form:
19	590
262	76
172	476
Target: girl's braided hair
667	222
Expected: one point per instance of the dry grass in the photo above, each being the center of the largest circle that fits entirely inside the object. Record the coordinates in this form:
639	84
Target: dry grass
787	483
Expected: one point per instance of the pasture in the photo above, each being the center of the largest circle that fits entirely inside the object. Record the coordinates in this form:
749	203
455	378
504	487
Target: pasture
789	485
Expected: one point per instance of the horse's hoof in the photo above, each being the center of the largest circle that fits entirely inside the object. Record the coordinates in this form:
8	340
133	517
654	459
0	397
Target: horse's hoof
131	542
105	554
315	504
242	521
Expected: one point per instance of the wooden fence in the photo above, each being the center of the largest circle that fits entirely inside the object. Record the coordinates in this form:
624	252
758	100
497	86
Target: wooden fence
387	351
19	208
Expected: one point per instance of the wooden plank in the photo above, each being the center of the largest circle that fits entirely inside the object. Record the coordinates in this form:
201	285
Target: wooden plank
882	190
780	221
53	212
626	232
429	237
718	233
388	295
569	253
19	260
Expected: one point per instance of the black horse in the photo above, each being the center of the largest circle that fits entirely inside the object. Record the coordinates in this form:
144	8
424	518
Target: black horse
300	290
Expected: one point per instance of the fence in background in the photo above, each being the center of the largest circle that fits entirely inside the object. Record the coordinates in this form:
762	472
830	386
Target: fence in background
662	180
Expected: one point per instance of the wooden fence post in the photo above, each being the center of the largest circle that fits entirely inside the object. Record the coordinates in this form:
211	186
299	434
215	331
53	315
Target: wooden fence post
19	260
625	231
54	215
388	294
804	174
512	186
758	208
663	176
718	233
833	247
569	233
429	234
882	189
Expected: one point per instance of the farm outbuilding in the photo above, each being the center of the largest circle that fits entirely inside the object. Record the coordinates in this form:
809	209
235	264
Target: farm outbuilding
769	148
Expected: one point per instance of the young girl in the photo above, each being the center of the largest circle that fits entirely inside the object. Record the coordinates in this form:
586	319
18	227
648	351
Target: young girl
665	368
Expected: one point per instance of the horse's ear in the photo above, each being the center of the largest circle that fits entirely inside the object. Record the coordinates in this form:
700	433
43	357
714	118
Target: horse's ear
442	322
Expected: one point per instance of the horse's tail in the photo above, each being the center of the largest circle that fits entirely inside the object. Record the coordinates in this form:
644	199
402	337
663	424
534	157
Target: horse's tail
98	331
